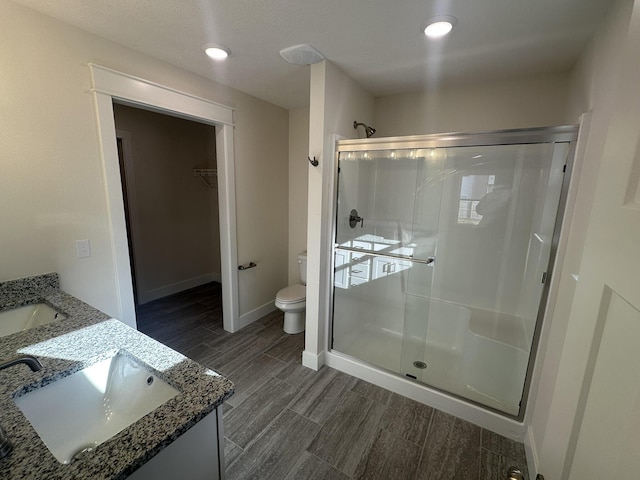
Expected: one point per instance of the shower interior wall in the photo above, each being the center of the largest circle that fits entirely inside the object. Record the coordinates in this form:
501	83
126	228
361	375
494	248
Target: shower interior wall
378	189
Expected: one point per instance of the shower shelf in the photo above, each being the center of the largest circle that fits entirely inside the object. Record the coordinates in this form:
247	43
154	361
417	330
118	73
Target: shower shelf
205	172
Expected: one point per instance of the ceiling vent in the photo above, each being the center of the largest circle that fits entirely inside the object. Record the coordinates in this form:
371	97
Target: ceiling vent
301	54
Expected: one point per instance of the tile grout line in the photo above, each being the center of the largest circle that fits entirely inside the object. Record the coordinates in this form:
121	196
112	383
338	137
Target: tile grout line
274	419
367	447
261	434
227	439
480	451
424	446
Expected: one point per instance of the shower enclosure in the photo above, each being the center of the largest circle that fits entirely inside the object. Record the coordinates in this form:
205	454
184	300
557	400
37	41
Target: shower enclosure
442	256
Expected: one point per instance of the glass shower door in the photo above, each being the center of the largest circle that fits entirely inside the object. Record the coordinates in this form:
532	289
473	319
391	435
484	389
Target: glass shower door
383	245
441	257
476	319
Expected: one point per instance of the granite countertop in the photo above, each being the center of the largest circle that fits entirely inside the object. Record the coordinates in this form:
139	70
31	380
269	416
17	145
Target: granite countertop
83	338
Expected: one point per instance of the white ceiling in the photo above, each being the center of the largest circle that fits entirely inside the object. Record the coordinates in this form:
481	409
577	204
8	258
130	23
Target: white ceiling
379	43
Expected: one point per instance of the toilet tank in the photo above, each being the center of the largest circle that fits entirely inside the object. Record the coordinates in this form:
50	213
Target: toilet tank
302	264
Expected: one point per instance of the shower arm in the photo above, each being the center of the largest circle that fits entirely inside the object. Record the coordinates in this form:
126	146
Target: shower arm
368	131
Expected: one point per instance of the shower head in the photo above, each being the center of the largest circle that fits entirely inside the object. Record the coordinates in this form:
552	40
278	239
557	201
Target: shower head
369	131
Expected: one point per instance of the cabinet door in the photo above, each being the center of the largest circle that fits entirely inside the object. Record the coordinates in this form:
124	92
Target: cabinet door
195	455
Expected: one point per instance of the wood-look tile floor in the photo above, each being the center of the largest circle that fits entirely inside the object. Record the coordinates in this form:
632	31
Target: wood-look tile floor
287	422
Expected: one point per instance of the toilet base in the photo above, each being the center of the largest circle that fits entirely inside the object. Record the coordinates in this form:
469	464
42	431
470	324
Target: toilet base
294	322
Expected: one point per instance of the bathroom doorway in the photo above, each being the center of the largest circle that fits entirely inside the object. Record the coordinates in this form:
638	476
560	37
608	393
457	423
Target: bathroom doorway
168	168
107	86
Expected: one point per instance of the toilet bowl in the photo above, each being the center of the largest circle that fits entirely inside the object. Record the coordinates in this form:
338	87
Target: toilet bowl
292	300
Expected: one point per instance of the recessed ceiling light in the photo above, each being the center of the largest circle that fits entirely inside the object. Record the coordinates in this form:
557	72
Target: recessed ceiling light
440	26
216	51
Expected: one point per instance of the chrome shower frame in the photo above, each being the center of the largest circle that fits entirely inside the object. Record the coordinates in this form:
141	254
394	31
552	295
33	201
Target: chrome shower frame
554	134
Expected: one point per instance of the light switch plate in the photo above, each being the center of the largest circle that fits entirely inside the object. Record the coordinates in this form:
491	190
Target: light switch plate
83	248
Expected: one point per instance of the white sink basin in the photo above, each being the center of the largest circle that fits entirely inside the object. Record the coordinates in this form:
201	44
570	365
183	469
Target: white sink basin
24	318
79	412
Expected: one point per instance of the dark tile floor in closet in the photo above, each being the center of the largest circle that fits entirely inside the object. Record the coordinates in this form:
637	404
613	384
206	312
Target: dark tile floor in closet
287	422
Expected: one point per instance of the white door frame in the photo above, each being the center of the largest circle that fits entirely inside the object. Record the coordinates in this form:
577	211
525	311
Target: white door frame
108	85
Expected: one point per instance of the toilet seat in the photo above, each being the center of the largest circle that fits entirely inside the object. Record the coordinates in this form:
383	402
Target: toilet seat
292	294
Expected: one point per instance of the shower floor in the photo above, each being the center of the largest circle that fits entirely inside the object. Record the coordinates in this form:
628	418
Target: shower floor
447	369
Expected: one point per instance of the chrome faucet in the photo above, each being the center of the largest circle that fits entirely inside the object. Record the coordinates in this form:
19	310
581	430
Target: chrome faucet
5	444
32	362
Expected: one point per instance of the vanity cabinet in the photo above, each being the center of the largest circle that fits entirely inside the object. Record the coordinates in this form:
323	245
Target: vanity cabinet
198	454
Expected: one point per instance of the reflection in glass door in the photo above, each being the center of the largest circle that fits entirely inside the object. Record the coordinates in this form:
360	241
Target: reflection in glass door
382	249
440	260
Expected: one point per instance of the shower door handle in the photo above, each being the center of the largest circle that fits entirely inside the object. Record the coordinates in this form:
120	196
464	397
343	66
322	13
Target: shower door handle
354	218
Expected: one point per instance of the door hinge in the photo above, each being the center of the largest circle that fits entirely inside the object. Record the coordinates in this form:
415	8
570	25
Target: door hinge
564	169
544	277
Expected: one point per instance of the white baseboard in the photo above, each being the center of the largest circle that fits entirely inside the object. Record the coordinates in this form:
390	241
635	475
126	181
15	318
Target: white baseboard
312	361
531	452
154	294
256	314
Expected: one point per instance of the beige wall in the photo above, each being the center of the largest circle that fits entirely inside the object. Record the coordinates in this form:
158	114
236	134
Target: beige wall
593	85
529	102
261	200
298	187
52	183
335	102
173	214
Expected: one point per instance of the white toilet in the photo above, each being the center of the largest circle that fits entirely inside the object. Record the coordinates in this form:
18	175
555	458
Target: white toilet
292	300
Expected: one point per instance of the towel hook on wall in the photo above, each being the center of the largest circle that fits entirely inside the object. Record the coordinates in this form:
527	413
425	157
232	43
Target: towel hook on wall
313	162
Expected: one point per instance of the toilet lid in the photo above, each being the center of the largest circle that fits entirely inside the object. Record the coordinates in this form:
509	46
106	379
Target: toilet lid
292	294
